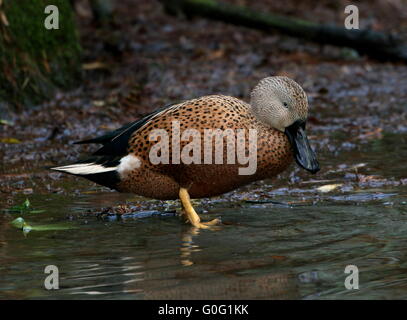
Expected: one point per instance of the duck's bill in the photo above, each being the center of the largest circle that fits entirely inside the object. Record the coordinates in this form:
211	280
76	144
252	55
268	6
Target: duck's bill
303	154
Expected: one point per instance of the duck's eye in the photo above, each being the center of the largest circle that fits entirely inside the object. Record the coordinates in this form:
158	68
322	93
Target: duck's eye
285	104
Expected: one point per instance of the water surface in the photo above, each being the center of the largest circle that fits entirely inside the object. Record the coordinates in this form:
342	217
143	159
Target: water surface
294	248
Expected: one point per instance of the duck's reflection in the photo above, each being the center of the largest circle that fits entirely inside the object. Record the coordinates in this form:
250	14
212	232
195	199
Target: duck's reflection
225	279
188	246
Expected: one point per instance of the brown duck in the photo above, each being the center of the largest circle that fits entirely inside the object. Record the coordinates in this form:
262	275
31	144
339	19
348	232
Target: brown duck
204	147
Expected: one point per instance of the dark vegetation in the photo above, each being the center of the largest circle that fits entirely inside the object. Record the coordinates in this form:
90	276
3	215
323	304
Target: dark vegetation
34	61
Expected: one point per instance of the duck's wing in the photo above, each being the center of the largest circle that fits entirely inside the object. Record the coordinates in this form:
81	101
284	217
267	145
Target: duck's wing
115	143
101	167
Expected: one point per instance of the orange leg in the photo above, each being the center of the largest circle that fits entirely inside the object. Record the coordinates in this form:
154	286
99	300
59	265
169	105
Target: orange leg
190	212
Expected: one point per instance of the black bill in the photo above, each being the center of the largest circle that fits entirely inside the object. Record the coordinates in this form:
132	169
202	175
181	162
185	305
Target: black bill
303	154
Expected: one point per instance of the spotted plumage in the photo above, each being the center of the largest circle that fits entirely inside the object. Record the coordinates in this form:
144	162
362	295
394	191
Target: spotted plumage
276	113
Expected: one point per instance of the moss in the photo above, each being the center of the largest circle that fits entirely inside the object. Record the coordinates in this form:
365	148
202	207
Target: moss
35	61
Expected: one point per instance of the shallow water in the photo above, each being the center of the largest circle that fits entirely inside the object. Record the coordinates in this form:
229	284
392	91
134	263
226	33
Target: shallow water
295	248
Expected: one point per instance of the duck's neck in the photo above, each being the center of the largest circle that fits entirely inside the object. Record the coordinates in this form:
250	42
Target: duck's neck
265	117
259	117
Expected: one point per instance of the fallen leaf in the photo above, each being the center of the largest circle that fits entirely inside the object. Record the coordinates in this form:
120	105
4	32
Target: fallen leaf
26	229
377	134
37	211
329	187
26	204
18	222
279	257
52	227
10	140
98	103
94	65
217	54
5	122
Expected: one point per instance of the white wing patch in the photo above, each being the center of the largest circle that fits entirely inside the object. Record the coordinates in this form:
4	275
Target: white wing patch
128	164
85	168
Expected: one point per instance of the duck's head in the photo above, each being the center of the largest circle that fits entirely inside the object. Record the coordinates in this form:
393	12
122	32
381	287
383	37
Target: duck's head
281	103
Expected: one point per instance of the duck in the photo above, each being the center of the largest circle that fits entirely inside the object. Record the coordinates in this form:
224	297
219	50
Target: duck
204	147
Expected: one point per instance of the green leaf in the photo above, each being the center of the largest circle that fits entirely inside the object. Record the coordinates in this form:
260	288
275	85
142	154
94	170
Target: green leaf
37	211
18	222
21	224
26	228
26	204
15	209
6	122
25	207
52	227
10	140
